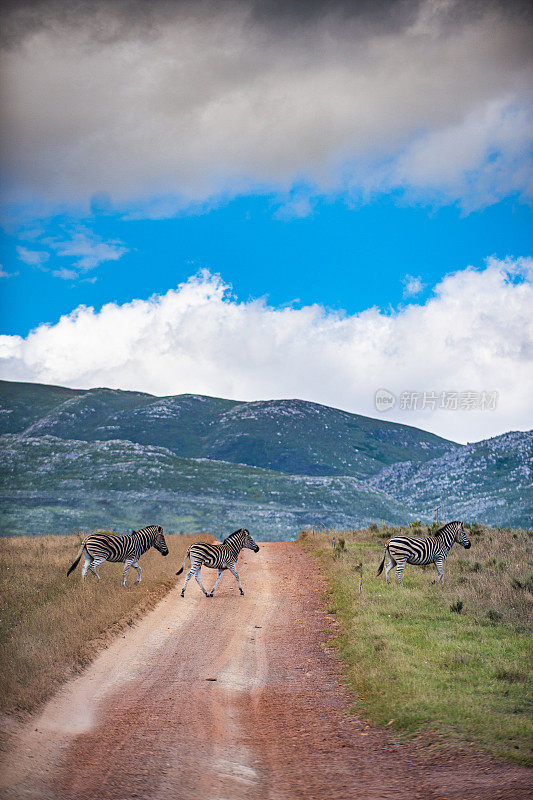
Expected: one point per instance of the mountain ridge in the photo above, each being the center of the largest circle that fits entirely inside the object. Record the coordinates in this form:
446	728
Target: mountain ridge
289	435
201	463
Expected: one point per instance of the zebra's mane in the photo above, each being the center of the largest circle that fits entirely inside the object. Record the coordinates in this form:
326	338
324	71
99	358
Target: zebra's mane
232	535
445	528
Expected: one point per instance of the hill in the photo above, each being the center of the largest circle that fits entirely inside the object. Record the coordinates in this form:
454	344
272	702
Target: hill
59	486
291	436
488	481
72	459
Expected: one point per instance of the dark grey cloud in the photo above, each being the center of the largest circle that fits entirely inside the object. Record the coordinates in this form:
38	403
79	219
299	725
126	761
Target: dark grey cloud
166	103
22	16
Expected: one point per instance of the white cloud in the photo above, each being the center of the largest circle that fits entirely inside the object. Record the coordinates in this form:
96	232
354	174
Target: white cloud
4	274
35	258
194	101
474	334
87	249
412	286
84	249
482	158
65	274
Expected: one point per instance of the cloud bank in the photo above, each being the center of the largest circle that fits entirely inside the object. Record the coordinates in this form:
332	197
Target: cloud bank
162	105
474	334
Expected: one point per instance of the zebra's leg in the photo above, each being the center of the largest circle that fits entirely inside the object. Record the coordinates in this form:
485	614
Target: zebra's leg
137	567
199	580
220	571
94	564
440	570
399	569
87	564
388	568
232	568
187	579
127	565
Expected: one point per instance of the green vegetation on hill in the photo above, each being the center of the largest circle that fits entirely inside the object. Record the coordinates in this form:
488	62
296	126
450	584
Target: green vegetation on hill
448	663
285	435
73	459
489	481
22	404
59	486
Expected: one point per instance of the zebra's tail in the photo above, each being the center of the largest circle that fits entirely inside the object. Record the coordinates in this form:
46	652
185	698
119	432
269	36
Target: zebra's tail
380	570
77	561
183	564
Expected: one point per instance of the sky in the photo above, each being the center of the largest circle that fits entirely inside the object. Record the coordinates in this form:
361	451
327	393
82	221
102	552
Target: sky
273	199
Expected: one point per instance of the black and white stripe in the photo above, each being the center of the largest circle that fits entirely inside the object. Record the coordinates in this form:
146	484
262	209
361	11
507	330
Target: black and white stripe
404	550
100	547
217	556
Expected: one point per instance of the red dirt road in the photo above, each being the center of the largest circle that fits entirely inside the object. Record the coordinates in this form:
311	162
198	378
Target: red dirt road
145	722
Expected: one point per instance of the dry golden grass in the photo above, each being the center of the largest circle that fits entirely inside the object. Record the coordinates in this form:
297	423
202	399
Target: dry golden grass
51	624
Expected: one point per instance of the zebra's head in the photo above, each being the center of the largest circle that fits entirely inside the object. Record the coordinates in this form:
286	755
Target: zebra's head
248	541
461	537
159	541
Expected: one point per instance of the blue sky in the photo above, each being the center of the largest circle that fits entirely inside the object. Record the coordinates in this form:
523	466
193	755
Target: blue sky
339	255
266	199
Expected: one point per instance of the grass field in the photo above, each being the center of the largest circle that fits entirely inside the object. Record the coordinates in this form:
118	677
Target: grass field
51	624
448	662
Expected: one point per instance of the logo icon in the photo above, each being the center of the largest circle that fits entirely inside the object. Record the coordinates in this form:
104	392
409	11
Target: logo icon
384	400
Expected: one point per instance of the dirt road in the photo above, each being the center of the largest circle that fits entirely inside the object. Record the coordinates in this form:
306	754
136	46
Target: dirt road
146	721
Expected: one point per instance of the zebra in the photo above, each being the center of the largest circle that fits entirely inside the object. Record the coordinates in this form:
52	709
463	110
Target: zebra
100	547
217	556
404	550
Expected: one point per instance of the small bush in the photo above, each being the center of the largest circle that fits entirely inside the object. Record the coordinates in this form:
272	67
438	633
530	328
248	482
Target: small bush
374	528
500	566
469	566
457	607
494	615
456	660
526	585
339	545
510	675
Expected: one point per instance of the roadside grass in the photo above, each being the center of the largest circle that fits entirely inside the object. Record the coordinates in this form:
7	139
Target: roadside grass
449	664
51	625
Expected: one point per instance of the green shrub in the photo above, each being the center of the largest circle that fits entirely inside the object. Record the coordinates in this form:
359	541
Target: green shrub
476	529
526	585
500	566
469	566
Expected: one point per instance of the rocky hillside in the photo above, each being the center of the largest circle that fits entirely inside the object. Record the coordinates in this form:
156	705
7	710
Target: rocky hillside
57	486
286	435
74	460
489	481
